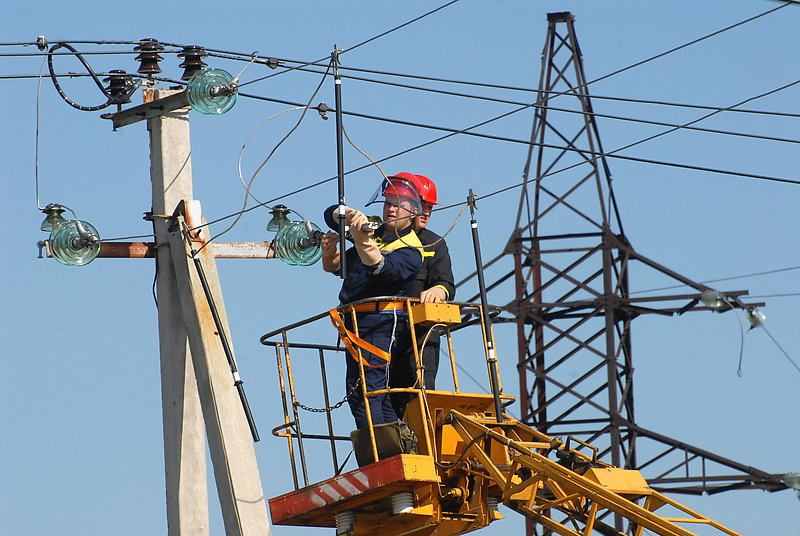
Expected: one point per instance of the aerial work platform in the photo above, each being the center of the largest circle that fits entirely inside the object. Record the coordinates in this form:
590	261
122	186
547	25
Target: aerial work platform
370	486
467	460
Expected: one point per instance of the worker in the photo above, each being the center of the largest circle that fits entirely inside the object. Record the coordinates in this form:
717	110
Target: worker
434	284
384	262
435	281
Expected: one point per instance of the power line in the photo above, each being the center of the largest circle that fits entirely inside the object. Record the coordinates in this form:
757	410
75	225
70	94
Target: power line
697	106
398	27
780	347
525	90
77	42
317	62
707	116
554	94
453	132
83	53
467	131
246	57
302	68
595	114
685	45
768	272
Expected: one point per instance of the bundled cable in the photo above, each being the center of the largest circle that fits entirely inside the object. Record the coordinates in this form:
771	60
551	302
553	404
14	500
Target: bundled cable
120	97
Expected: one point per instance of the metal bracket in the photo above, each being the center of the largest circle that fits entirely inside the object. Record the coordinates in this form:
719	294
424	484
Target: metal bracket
148	110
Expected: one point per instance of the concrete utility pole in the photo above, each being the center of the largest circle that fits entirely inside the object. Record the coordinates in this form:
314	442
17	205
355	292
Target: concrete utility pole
184	433
197	386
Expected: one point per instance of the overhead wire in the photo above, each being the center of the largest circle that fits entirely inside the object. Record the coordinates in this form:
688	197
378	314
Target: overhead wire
302	67
553	94
780	347
36	160
687	126
371	39
732	26
466	131
245	57
705	117
342	51
76	41
550	94
716	111
241	152
767	272
82	53
258	170
465	95
611	154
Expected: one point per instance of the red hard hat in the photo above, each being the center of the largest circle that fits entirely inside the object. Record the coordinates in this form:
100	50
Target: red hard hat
413	179
408	176
427	190
403	186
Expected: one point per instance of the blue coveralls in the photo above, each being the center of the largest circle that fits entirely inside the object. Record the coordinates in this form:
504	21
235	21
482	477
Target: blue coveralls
386	330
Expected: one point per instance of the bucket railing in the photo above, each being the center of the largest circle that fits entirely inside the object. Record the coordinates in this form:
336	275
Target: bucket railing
285	342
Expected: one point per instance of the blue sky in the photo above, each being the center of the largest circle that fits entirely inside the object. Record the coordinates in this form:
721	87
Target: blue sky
82	444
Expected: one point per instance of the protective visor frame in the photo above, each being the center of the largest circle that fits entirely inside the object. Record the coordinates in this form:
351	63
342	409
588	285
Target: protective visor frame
402	189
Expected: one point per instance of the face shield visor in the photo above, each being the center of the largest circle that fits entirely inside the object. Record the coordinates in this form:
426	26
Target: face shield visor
399	192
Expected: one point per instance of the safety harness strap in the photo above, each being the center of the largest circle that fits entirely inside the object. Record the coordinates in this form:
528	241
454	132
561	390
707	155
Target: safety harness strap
351	340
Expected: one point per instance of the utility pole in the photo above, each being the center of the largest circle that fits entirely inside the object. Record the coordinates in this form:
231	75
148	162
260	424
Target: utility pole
184	430
199	393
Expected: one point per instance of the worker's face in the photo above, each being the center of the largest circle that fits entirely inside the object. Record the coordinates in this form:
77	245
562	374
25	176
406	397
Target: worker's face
422	220
396	213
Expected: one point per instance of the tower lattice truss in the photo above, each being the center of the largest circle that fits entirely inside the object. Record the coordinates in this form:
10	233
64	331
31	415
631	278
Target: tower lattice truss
572	305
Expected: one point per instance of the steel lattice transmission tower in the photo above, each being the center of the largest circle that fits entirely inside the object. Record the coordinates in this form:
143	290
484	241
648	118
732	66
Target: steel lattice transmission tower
572	306
571	276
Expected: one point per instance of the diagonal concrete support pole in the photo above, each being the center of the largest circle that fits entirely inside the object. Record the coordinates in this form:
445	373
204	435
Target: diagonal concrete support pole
244	508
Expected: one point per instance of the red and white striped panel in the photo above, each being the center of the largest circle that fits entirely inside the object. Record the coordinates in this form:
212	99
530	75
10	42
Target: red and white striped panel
304	502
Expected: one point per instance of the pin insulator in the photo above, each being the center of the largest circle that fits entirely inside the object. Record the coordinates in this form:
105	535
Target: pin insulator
148	55
118	81
192	60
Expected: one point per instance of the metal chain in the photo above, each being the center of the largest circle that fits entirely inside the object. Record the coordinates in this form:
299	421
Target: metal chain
335	406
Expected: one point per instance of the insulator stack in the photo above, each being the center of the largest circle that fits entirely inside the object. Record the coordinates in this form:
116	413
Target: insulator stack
279	218
118	85
74	246
54	217
295	247
210	91
148	50
192	60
